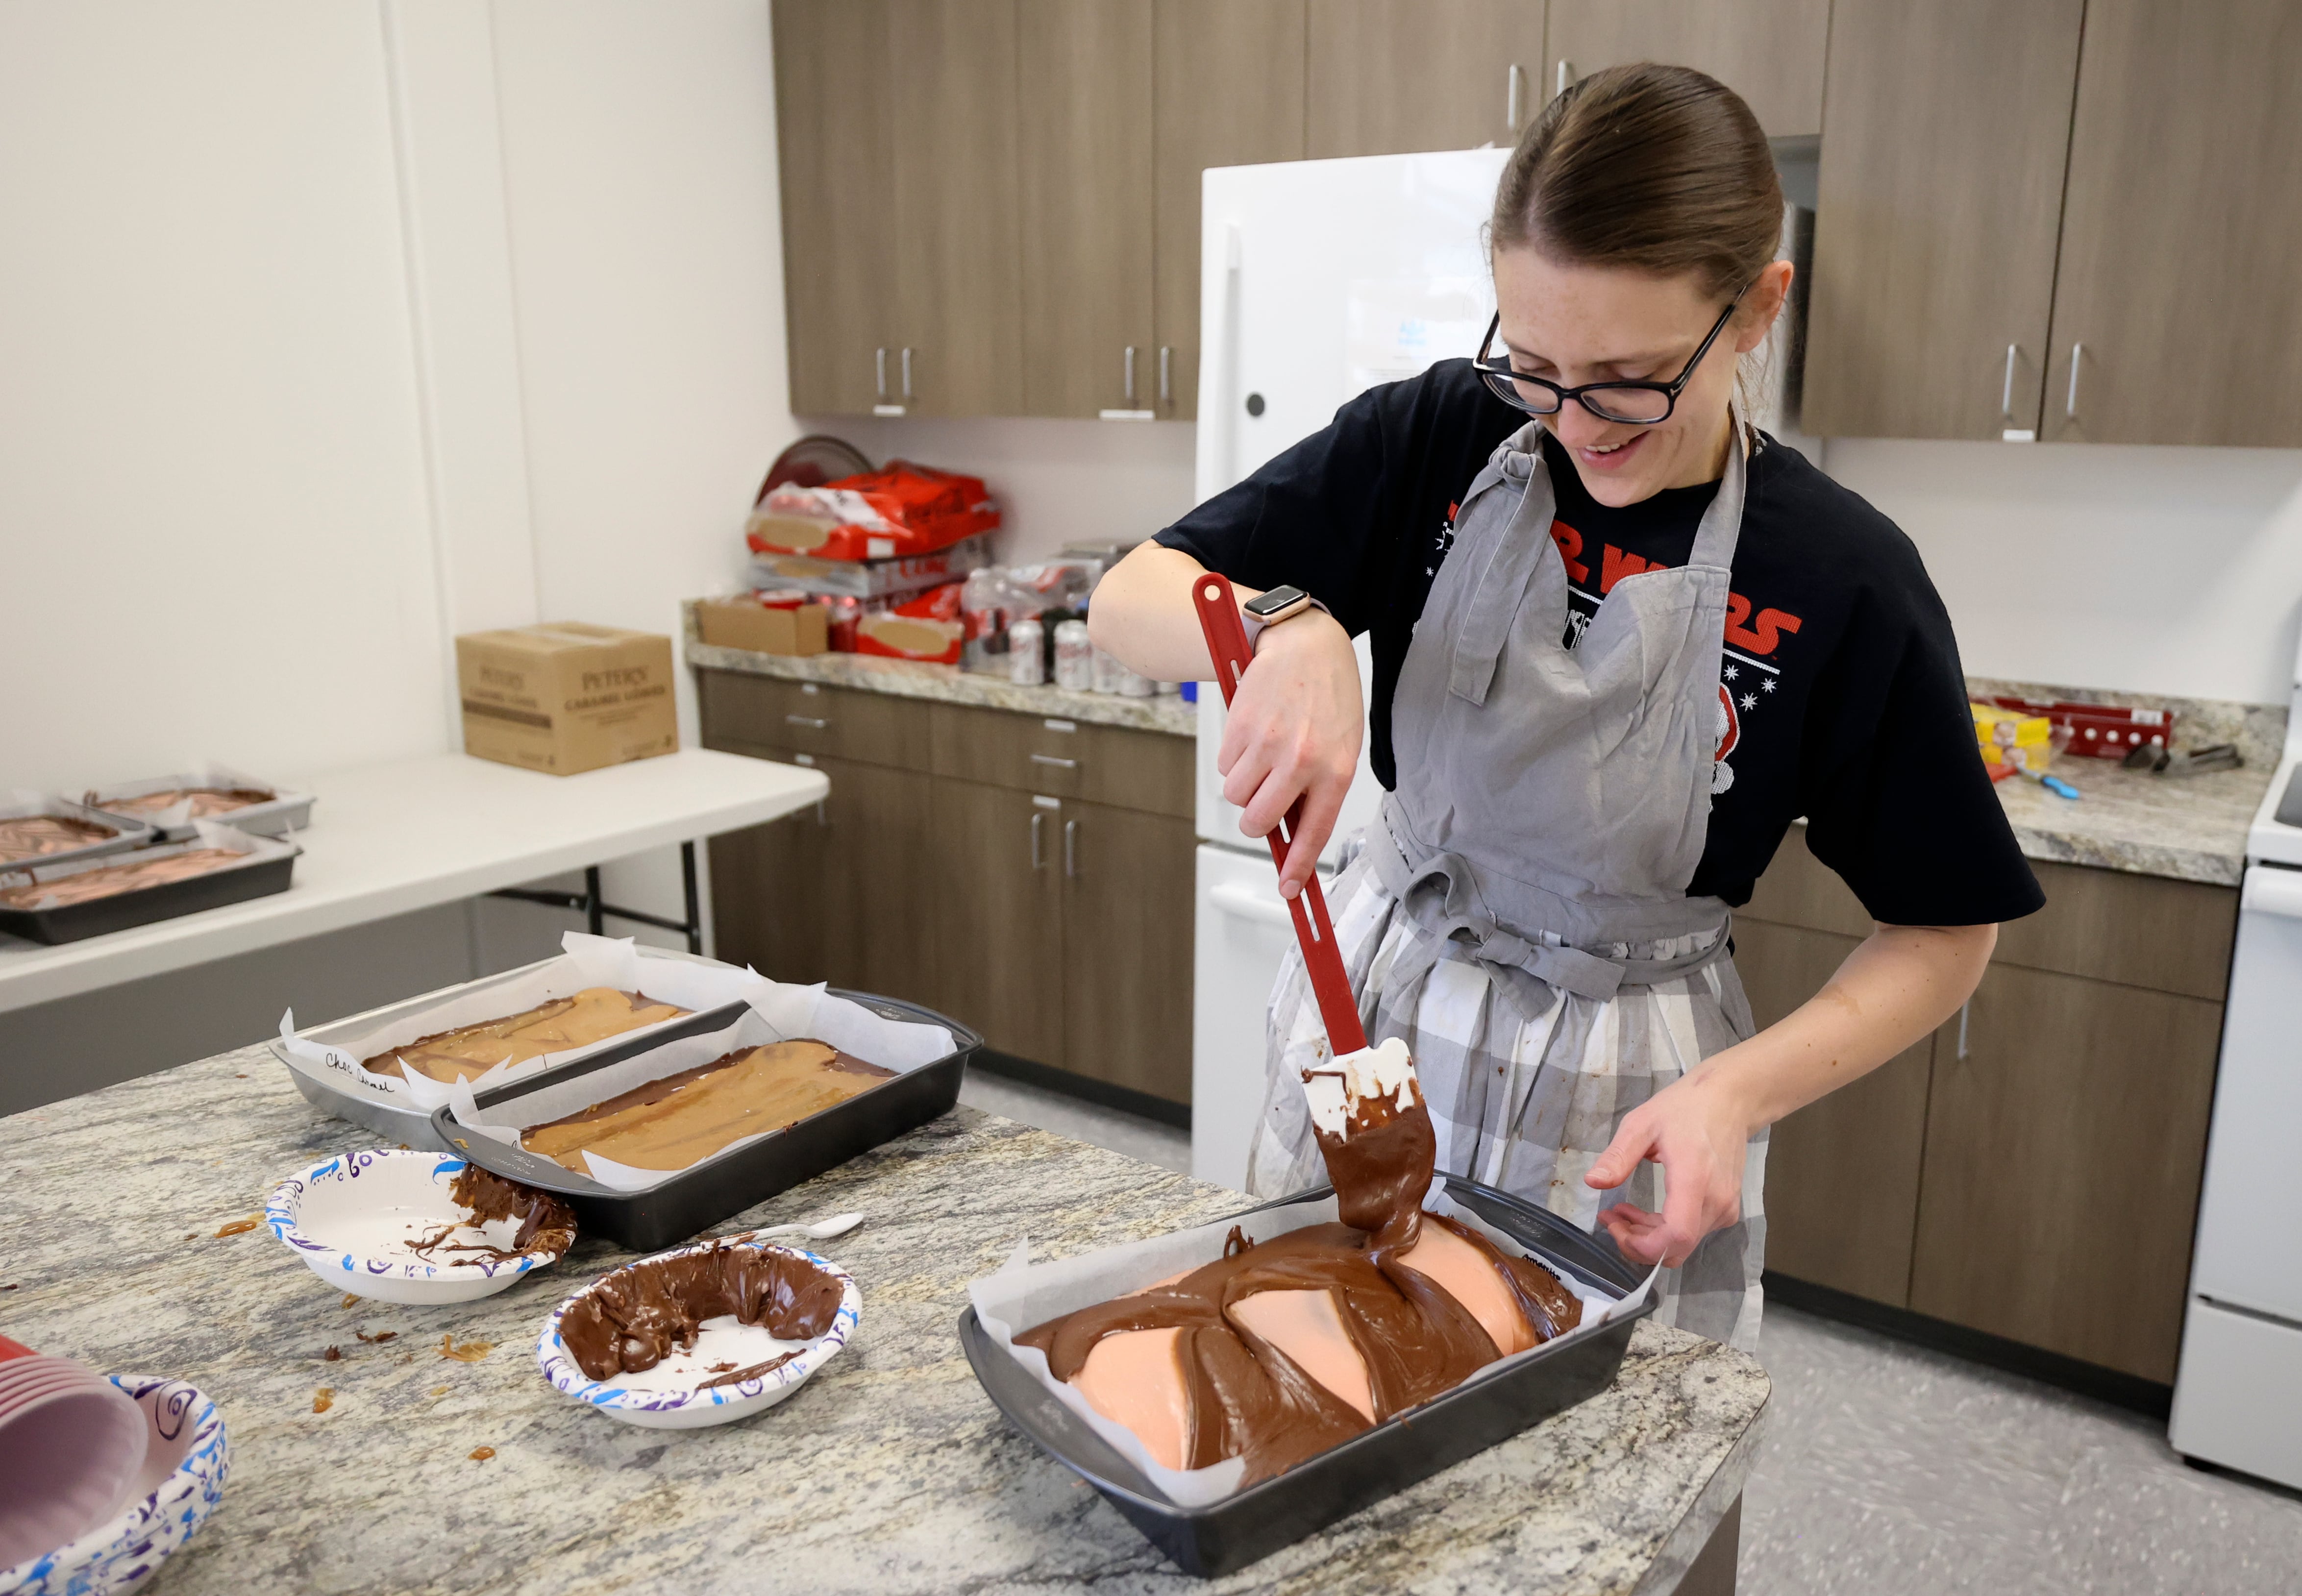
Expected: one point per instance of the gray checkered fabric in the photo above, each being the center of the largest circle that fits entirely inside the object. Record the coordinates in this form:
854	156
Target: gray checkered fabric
1526	1104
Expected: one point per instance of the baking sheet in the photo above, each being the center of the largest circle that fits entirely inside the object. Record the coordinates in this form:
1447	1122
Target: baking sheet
774	1011
126	832
586	960
1021	1295
206	834
283	813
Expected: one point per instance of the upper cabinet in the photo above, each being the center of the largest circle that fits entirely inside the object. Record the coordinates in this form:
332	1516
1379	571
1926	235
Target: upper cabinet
1227	91
2178	303
1771	51
1940	191
839	256
1085	181
896	127
1391	77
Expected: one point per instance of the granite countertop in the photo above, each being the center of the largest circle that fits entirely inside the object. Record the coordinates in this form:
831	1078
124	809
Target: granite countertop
946	684
890	1472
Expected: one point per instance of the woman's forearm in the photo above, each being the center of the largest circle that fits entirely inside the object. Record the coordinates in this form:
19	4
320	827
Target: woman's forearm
1900	983
1142	615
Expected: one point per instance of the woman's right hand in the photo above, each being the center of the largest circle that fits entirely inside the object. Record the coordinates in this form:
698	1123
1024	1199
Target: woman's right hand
1293	732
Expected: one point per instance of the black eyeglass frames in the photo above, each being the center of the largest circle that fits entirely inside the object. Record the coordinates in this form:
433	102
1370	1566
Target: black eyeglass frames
1636	404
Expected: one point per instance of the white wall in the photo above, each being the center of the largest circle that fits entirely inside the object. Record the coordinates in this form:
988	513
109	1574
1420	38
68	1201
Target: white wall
2174	571
211	493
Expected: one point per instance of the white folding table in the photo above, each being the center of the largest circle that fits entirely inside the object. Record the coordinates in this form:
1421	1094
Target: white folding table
387	839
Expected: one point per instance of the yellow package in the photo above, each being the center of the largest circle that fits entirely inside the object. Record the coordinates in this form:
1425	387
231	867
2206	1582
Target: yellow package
2000	731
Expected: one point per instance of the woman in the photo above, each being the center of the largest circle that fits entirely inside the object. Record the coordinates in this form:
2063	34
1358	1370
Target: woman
1595	739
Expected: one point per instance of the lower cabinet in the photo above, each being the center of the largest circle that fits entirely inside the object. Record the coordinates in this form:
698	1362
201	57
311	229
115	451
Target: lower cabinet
942	870
2031	1170
1841	1173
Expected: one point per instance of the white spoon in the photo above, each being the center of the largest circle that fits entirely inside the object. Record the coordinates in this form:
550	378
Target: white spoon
822	1229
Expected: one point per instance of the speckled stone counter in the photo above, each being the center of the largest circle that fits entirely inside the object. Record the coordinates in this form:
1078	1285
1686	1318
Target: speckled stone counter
890	1472
946	684
2189	827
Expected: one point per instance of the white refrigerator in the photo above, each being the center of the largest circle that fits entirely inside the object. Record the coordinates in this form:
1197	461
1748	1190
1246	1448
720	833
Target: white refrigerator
1318	280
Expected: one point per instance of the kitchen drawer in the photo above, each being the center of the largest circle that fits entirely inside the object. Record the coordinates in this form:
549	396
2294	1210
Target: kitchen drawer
1065	759
2105	925
764	712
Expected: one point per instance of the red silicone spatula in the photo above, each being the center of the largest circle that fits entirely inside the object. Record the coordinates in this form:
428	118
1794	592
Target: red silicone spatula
1227	648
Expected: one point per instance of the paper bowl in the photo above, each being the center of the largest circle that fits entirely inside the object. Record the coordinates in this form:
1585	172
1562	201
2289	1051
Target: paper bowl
666	1396
179	1483
350	1220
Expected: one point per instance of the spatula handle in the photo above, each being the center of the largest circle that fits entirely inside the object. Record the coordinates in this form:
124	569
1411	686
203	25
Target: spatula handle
1227	649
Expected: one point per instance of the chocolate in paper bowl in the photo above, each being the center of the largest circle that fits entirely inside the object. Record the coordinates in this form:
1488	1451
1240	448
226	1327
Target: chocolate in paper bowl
185	1462
335	1213
690	1407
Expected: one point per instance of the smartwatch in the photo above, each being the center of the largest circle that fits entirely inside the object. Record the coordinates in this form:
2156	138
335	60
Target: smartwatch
1282	604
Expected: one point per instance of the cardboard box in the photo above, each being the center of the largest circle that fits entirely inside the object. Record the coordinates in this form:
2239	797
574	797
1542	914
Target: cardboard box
746	623
565	696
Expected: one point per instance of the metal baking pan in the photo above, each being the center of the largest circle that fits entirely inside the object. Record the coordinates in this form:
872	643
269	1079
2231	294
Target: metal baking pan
412	1127
269	864
284	813
1228	1535
703	1193
127	831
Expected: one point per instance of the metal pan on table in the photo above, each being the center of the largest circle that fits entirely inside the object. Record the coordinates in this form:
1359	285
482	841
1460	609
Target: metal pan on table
1228	1535
705	1193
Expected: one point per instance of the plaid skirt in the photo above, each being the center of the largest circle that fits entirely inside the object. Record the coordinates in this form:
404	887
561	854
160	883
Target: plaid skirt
1525	1104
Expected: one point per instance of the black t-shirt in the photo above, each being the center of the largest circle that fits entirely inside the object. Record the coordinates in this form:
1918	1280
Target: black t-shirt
1845	699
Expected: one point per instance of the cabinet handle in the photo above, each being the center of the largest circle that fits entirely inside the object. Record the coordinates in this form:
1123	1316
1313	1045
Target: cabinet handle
821	818
1070	848
1513	88
1037	821
880	362
806	720
1964	1010
907	374
1166	374
2006	393
1049	758
1131	376
2070	402
1566	79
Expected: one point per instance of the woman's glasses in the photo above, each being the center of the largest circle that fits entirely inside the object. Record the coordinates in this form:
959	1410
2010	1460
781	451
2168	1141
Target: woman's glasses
1636	404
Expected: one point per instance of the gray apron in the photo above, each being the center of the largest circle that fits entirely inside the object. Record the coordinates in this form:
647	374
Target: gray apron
1519	912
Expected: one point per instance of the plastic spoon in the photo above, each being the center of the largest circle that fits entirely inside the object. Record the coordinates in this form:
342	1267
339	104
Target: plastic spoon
822	1229
1356	1074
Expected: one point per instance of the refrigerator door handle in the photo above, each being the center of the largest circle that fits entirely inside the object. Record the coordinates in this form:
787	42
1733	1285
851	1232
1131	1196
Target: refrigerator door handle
1241	904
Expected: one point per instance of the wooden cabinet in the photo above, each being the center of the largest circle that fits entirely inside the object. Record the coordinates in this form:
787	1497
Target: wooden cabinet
1028	874
2031	1170
1085	179
2065	1139
1387	77
951	98
2178	318
1227	85
998	897
1127	948
836	153
1843	1172
821	895
897	133
1771	51
1940	191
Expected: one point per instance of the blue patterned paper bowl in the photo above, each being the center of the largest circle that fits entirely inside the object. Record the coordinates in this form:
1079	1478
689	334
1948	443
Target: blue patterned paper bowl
178	1486
670	1396
351	1218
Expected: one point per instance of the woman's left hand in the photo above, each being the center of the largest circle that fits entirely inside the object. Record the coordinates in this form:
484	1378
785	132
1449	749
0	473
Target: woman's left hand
1697	1130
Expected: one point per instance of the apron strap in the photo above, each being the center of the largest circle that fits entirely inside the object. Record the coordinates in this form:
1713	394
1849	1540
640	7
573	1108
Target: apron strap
1485	627
1450	923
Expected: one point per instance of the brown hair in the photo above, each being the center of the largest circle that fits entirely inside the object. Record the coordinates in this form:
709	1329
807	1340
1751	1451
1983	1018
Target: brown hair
1659	169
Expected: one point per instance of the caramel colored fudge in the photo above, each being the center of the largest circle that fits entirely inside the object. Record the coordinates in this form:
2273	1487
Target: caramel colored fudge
593	1015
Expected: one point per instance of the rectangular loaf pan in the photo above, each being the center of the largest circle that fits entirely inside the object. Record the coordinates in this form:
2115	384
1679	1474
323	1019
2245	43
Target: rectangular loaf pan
1228	1535
284	812
391	1115
268	867
703	1193
126	832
